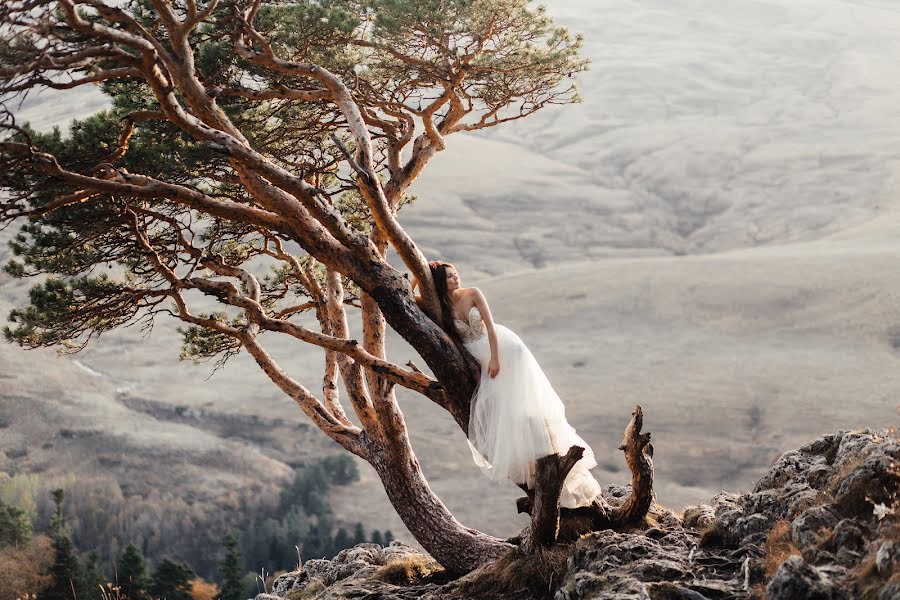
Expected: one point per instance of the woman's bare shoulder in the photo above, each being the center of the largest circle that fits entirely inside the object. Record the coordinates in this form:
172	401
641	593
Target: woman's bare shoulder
473	294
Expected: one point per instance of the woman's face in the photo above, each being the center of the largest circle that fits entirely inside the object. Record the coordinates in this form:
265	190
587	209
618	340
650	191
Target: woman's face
453	280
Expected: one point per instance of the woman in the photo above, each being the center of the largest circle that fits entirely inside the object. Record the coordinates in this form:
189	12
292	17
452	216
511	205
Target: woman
515	415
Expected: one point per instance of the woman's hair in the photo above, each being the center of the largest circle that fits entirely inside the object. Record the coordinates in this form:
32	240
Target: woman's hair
439	275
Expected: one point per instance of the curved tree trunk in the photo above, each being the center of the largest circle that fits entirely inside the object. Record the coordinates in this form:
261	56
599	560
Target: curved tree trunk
457	548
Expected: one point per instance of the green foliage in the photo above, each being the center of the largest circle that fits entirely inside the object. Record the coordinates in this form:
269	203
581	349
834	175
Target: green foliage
171	580
200	344
92	578
231	571
65	571
342	539
22	490
376	538
15	526
131	573
57	522
310	486
51	316
359	534
305	518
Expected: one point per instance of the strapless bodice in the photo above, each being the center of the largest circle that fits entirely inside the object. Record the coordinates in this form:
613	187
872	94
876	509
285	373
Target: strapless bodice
473	329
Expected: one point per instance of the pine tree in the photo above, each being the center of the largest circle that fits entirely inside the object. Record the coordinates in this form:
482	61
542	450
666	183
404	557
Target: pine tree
388	537
172	581
65	571
230	571
15	526
131	573
376	538
342	540
359	534
92	578
57	521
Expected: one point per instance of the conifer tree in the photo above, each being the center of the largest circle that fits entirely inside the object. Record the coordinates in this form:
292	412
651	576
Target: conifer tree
92	578
15	526
57	521
230	571
359	534
131	573
65	571
376	538
342	540
171	581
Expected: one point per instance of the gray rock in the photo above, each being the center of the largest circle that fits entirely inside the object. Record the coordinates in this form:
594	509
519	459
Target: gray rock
875	480
825	445
354	563
848	535
317	567
290	581
854	444
887	557
805	529
797	580
699	517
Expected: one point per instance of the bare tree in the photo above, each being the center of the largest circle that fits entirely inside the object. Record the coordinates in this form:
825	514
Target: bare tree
290	132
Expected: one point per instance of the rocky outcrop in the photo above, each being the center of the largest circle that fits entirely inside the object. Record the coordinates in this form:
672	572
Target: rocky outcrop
823	523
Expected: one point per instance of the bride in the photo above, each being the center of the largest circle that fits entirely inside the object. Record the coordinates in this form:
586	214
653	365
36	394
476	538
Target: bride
516	417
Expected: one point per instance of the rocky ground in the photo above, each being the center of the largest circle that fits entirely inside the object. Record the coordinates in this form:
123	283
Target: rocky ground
823	523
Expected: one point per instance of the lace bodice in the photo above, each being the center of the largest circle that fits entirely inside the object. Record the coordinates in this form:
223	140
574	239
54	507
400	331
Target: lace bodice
473	329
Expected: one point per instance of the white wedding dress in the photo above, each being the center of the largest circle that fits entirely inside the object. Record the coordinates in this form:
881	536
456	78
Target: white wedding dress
517	417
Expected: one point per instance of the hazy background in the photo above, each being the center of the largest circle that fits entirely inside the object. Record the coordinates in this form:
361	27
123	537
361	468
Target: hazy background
712	234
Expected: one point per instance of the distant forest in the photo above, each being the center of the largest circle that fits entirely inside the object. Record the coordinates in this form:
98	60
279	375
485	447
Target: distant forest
84	537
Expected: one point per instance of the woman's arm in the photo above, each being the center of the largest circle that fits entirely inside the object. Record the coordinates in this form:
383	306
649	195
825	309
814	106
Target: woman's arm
481	303
412	290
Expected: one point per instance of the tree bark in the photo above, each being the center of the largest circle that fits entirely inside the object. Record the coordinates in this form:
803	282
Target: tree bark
638	454
457	548
550	474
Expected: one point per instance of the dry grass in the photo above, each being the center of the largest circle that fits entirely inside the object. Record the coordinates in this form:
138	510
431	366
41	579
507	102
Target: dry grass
515	575
412	569
310	590
779	547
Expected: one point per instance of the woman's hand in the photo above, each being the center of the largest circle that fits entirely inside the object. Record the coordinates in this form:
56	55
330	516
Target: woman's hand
493	367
